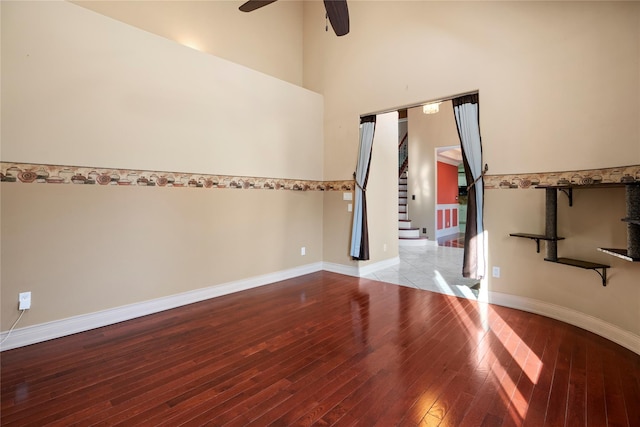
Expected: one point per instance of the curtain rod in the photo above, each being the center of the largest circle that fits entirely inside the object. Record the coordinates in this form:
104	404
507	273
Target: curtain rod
449	98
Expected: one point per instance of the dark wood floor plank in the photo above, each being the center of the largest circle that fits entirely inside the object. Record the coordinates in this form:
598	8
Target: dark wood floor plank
469	317
517	409
458	409
490	388
510	375
305	399
420	373
290	353
557	412
537	410
442	370
577	393
427	339
477	359
596	407
613	395
630	388
264	367
325	349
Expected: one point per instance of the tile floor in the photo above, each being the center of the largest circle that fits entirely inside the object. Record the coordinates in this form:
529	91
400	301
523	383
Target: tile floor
432	268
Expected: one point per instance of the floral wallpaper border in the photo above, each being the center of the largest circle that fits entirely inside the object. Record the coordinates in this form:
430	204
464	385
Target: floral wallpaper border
56	174
80	175
624	174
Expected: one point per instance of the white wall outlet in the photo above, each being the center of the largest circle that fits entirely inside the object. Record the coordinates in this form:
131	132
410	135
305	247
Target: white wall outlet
303	251
349	207
24	300
384	247
496	271
347	196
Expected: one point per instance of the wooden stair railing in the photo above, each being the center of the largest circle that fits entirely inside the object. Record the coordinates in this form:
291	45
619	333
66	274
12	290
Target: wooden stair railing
403	155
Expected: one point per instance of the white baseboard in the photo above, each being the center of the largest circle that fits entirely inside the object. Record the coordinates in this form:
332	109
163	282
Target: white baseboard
590	323
347	270
372	268
359	271
59	328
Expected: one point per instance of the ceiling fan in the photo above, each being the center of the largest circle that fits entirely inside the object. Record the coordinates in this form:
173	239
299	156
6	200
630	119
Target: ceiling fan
337	12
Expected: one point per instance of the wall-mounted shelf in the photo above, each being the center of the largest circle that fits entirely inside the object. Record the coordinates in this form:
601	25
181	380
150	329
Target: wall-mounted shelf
536	237
567	189
620	253
587	186
587	265
632	253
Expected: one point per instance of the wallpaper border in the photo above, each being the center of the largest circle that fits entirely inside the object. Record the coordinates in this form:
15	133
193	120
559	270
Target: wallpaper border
85	175
28	173
624	174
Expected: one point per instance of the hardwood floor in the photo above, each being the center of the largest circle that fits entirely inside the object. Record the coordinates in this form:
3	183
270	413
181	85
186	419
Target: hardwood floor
326	349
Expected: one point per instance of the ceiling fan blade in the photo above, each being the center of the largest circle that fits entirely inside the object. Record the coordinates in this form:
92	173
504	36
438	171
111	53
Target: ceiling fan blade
338	14
252	5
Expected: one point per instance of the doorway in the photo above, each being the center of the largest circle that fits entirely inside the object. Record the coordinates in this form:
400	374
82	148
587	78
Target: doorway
437	182
451	205
456	123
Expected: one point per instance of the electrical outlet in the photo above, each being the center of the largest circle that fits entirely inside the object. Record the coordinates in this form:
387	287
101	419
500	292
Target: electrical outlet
496	271
349	207
384	247
303	251
24	300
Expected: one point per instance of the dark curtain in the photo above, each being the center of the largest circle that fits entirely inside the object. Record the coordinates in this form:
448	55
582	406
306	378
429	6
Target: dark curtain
360	232
466	111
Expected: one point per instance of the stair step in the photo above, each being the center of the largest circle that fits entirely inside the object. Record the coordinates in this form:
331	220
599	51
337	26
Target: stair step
402	187
402	194
409	232
402	181
402	209
402	216
402	200
421	241
404	224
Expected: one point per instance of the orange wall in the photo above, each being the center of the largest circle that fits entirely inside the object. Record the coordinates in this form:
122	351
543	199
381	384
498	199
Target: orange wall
447	184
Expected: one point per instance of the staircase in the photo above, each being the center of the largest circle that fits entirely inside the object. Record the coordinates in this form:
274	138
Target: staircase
408	236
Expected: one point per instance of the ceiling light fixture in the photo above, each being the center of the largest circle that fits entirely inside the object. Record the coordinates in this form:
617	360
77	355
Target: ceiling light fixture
432	108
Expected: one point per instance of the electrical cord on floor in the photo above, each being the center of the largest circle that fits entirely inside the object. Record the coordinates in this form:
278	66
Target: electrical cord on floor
13	326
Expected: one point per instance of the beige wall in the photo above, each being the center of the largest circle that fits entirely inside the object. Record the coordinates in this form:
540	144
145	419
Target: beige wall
82	89
336	224
558	85
552	76
268	40
382	203
382	190
422	171
592	222
426	133
84	248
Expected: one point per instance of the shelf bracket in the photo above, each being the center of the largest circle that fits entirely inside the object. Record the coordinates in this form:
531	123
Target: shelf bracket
537	238
603	275
569	193
587	265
